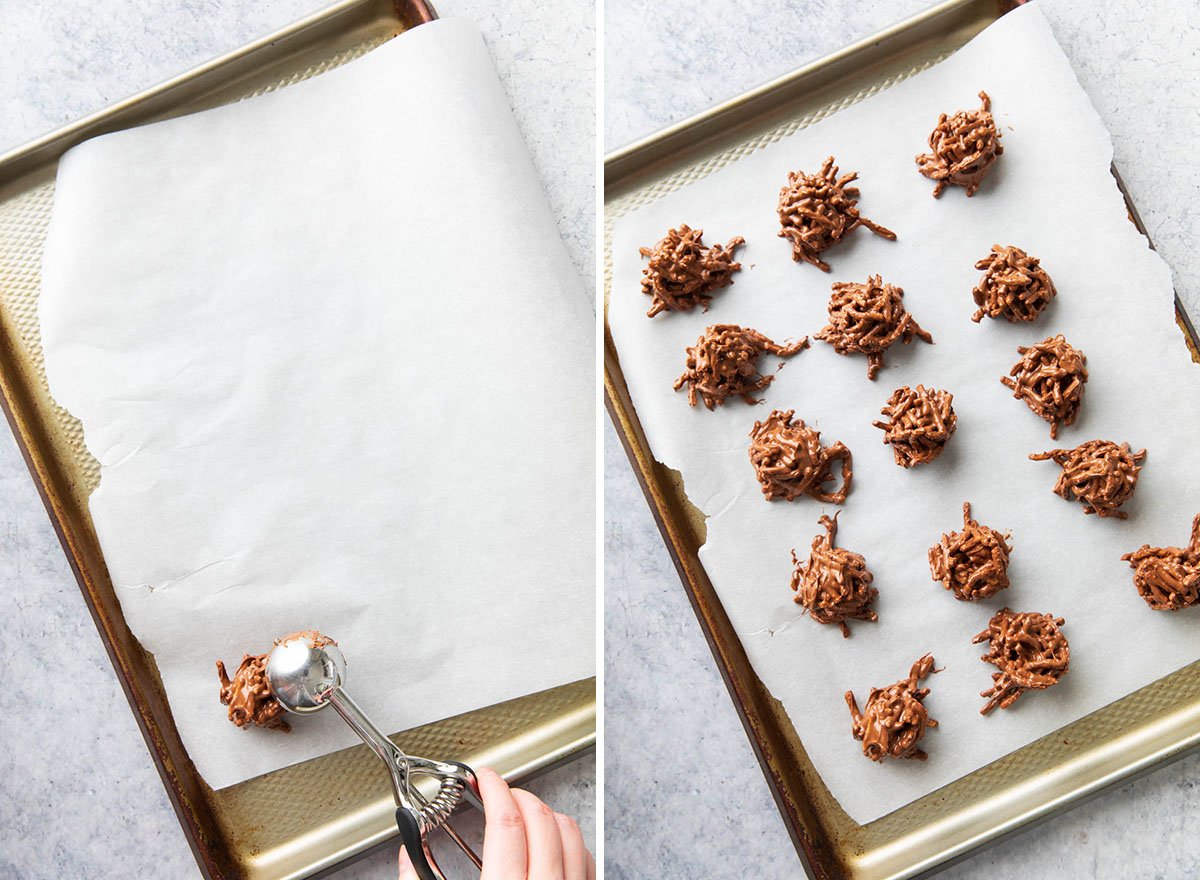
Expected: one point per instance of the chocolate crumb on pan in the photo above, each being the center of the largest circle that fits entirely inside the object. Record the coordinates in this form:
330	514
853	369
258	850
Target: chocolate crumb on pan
1014	286
919	424
1050	378
973	563
790	461
1098	473
963	148
1030	652
816	211
724	363
248	695
834	585
867	319
683	273
894	719
1168	578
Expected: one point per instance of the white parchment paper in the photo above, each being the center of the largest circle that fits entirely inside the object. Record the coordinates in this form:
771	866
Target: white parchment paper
1051	193
337	369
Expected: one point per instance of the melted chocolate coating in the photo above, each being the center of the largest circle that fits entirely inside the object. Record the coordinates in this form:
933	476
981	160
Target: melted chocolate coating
248	695
683	273
1050	378
816	211
973	563
1168	578
963	148
790	460
316	639
724	363
1014	286
894	720
835	584
1099	473
868	319
919	424
1029	650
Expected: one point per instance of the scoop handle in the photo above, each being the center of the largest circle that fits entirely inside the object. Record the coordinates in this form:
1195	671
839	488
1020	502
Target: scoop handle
409	824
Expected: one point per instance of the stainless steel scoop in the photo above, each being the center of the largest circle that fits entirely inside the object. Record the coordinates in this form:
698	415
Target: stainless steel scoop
306	677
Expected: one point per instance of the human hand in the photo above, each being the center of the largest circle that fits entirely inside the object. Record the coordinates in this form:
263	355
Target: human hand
523	839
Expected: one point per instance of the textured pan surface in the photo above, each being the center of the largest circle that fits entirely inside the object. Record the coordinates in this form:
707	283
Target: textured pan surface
305	819
1159	722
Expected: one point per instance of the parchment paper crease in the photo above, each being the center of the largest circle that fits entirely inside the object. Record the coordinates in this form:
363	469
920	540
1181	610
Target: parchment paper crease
337	369
1050	193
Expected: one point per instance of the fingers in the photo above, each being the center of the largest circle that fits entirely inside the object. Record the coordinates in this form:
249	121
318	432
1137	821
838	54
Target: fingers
574	853
505	855
524	839
407	871
542	837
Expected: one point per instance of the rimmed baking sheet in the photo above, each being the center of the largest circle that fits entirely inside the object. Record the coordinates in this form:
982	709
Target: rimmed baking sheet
308	818
1008	794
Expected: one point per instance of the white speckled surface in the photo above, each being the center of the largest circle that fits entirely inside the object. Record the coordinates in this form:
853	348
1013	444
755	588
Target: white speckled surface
684	795
79	796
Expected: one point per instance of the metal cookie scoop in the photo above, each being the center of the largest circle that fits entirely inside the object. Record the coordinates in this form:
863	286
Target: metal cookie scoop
305	677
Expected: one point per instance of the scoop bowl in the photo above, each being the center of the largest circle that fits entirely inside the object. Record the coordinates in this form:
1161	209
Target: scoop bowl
301	673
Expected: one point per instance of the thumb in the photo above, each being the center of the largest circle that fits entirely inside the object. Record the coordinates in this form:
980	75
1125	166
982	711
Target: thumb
407	871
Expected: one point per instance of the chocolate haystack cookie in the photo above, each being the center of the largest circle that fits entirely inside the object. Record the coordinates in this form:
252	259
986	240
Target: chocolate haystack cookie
893	721
964	147
248	695
683	273
1029	650
1098	473
973	563
790	460
724	363
919	424
1014	286
1168	578
835	584
816	211
867	319
1050	378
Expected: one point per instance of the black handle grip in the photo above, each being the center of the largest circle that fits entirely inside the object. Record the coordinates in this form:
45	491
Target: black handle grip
410	835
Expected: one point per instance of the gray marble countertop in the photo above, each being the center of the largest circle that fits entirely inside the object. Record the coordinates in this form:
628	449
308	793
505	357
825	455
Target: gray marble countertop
79	796
684	795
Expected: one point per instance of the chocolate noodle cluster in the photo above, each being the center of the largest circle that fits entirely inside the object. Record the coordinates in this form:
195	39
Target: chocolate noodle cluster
1168	578
868	319
724	363
1050	378
919	424
973	563
248	695
790	461
1099	473
1014	286
683	273
1030	652
894	719
835	584
963	148
816	211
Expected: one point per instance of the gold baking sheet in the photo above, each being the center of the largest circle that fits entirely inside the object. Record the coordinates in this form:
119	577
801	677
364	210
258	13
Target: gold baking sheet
1129	737
306	819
